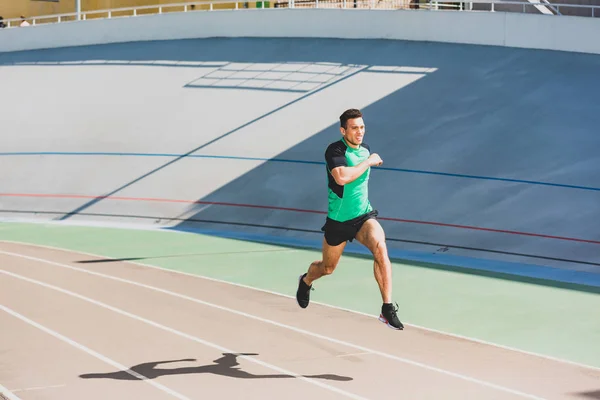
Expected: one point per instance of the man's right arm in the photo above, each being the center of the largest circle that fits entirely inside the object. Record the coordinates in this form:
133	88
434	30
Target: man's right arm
345	175
338	166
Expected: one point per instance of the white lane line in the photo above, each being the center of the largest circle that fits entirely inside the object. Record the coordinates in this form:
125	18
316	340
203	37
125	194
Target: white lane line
453	335
185	335
281	325
8	394
362	353
88	350
29	389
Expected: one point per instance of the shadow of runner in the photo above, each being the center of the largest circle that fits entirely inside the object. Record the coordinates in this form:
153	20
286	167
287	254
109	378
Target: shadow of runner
590	395
225	366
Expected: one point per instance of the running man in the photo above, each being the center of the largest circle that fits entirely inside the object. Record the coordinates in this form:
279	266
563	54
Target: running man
350	214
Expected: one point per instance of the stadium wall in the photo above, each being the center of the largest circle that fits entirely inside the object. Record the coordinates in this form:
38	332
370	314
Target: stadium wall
564	33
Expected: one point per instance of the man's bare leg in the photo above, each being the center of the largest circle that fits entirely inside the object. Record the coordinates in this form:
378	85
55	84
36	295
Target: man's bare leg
372	236
325	266
317	269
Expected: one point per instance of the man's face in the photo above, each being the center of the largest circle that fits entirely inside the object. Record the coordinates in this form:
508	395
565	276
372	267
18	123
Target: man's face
354	132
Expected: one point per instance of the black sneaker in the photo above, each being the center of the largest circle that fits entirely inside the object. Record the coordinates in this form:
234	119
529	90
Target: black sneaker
303	292
389	317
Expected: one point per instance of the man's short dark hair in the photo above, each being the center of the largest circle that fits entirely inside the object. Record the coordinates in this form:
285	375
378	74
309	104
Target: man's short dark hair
349	114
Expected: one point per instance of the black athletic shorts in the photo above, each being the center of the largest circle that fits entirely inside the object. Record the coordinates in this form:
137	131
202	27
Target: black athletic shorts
338	232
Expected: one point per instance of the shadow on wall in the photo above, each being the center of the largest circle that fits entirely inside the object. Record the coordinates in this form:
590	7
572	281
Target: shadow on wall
485	111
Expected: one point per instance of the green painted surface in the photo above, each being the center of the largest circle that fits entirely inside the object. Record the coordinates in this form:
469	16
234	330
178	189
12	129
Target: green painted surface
559	322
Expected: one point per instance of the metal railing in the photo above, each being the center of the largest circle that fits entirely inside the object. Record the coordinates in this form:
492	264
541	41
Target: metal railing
534	6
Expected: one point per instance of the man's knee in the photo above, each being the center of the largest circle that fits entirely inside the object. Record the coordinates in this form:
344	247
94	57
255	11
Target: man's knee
380	250
327	268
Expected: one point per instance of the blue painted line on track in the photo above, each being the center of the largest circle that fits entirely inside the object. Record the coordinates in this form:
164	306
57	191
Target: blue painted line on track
281	160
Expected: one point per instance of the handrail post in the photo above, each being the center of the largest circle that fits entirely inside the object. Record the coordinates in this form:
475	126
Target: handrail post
78	9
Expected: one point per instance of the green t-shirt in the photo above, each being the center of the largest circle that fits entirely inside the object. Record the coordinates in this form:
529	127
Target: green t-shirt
351	200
